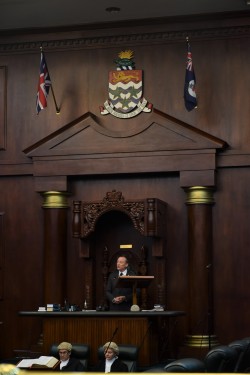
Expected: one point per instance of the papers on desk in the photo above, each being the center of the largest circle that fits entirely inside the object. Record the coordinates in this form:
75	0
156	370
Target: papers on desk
41	362
156	308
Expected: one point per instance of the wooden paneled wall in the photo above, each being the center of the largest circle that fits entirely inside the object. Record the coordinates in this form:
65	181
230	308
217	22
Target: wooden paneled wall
79	62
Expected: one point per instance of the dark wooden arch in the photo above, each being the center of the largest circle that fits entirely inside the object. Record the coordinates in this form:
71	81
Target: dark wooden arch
147	215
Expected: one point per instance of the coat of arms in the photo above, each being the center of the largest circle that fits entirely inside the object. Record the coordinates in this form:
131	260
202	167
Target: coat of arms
125	89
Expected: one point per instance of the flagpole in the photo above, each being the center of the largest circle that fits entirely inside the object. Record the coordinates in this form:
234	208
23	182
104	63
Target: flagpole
57	109
53	94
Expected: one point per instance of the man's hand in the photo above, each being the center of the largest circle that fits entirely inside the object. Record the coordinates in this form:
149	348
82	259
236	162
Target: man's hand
119	299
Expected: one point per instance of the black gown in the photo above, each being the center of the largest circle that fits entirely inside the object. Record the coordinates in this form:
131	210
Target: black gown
117	366
73	365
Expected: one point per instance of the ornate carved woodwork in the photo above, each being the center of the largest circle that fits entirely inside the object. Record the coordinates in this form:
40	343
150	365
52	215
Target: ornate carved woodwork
147	215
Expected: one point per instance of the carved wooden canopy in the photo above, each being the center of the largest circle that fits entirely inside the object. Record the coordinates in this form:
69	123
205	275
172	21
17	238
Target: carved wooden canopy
147	215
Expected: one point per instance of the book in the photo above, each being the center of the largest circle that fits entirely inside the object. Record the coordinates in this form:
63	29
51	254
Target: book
41	362
50	306
42	308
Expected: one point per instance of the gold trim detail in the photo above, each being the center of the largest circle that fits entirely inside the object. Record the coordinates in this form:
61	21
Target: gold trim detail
126	246
200	195
201	341
55	199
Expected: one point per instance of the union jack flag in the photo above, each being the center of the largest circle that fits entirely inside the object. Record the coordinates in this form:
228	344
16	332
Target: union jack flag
44	84
190	98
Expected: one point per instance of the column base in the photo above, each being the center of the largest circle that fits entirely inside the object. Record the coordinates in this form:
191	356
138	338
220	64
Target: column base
197	346
201	341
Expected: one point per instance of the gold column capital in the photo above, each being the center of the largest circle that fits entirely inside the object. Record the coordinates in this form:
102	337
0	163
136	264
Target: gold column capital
55	199
199	195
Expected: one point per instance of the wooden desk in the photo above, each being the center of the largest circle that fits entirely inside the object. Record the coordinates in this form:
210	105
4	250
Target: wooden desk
143	328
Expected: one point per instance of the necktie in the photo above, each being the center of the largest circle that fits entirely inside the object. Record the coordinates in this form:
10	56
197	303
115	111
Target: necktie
121	274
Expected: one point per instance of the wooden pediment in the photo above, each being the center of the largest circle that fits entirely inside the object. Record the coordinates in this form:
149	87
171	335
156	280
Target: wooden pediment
156	142
158	132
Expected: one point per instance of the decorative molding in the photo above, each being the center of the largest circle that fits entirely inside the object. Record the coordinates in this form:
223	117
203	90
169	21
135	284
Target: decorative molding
139	38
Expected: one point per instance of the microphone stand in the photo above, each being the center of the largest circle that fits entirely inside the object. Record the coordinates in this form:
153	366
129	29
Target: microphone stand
113	335
145	334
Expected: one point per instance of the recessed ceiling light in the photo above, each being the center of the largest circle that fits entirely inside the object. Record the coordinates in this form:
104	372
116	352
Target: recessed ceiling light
114	9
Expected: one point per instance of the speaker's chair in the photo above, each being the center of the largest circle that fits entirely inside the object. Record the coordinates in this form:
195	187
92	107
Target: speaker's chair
243	349
185	365
79	351
127	354
221	359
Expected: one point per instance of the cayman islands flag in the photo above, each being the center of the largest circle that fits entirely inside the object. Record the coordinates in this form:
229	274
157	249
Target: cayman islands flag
125	89
190	98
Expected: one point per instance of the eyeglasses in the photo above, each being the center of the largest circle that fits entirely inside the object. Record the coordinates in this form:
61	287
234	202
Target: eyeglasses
64	352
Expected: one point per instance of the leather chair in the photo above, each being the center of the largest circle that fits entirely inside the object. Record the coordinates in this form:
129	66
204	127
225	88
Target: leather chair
243	349
127	354
221	359
185	365
79	351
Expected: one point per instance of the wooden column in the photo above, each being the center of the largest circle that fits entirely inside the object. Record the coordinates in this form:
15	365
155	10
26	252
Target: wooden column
199	203
55	245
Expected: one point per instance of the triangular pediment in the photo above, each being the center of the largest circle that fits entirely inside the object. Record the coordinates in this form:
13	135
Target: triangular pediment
156	132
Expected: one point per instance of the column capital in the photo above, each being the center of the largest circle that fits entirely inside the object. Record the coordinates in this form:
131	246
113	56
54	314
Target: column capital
200	195
55	199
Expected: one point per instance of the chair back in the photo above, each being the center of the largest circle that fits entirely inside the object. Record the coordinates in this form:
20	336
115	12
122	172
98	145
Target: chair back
243	349
127	354
79	351
221	359
185	365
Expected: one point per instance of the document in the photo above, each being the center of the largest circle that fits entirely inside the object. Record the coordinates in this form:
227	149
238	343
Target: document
41	362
